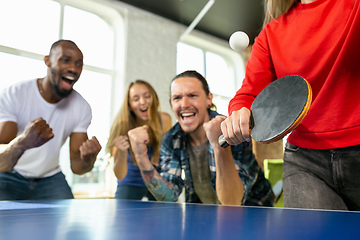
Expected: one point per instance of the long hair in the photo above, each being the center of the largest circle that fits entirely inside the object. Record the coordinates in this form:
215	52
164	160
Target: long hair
275	8
201	78
125	120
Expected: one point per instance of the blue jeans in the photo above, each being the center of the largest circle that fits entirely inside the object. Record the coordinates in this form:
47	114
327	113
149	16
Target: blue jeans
322	179
130	192
13	186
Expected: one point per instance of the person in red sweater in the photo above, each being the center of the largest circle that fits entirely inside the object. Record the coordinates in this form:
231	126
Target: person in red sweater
320	41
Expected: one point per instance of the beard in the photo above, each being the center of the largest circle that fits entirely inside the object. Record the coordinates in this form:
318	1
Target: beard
59	93
55	87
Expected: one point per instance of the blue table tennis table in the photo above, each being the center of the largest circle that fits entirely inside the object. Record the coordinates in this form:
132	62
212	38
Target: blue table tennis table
99	219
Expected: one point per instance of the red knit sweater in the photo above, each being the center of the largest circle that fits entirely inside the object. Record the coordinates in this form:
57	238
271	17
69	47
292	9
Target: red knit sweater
319	41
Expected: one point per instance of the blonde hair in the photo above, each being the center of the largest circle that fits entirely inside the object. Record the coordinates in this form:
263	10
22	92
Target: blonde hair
275	8
125	120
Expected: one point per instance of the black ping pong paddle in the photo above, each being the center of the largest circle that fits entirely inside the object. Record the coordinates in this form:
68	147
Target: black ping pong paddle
278	109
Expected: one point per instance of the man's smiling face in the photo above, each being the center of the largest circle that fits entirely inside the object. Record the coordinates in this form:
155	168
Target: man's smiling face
66	63
190	103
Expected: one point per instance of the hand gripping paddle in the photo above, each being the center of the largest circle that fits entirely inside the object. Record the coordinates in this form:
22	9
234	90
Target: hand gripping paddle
278	109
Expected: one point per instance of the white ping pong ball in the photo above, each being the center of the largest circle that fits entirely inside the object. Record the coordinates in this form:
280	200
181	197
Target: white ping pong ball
239	41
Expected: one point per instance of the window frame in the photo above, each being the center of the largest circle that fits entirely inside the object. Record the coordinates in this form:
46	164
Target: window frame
234	60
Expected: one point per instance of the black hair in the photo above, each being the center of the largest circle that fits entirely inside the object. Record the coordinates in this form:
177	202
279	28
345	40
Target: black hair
55	44
201	78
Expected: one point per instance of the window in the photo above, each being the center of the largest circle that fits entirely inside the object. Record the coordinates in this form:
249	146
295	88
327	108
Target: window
31	27
217	65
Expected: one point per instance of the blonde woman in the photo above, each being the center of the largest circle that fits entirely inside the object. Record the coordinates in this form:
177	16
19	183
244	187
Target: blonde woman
318	40
140	107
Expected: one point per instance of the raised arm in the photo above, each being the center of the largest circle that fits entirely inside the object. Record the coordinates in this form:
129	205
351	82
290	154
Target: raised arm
36	133
120	151
229	187
160	188
83	152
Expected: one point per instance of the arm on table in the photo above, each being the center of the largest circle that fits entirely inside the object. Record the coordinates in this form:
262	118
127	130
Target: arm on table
83	152
36	133
229	187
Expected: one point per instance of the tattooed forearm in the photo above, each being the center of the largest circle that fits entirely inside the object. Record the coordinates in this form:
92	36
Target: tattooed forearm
158	186
148	175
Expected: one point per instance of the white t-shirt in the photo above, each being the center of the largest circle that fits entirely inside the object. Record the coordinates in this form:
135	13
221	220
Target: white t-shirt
22	103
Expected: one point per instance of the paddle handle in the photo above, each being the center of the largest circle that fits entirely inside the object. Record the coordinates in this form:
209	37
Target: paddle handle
222	142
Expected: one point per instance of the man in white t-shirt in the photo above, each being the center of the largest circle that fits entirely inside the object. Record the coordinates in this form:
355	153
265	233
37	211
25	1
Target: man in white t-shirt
36	118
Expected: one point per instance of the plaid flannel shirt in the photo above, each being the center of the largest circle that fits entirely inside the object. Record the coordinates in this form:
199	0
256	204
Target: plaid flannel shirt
174	159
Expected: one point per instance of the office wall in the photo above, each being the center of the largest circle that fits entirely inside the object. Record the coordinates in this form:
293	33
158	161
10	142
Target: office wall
150	50
151	46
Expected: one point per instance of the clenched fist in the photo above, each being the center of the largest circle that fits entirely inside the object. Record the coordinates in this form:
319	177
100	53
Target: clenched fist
122	143
139	137
89	149
212	129
36	133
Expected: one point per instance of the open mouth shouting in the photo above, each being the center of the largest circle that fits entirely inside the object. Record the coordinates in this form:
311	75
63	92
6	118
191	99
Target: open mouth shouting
187	117
144	110
143	113
68	81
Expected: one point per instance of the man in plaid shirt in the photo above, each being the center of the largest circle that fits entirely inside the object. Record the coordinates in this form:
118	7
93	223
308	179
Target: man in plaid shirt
191	156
